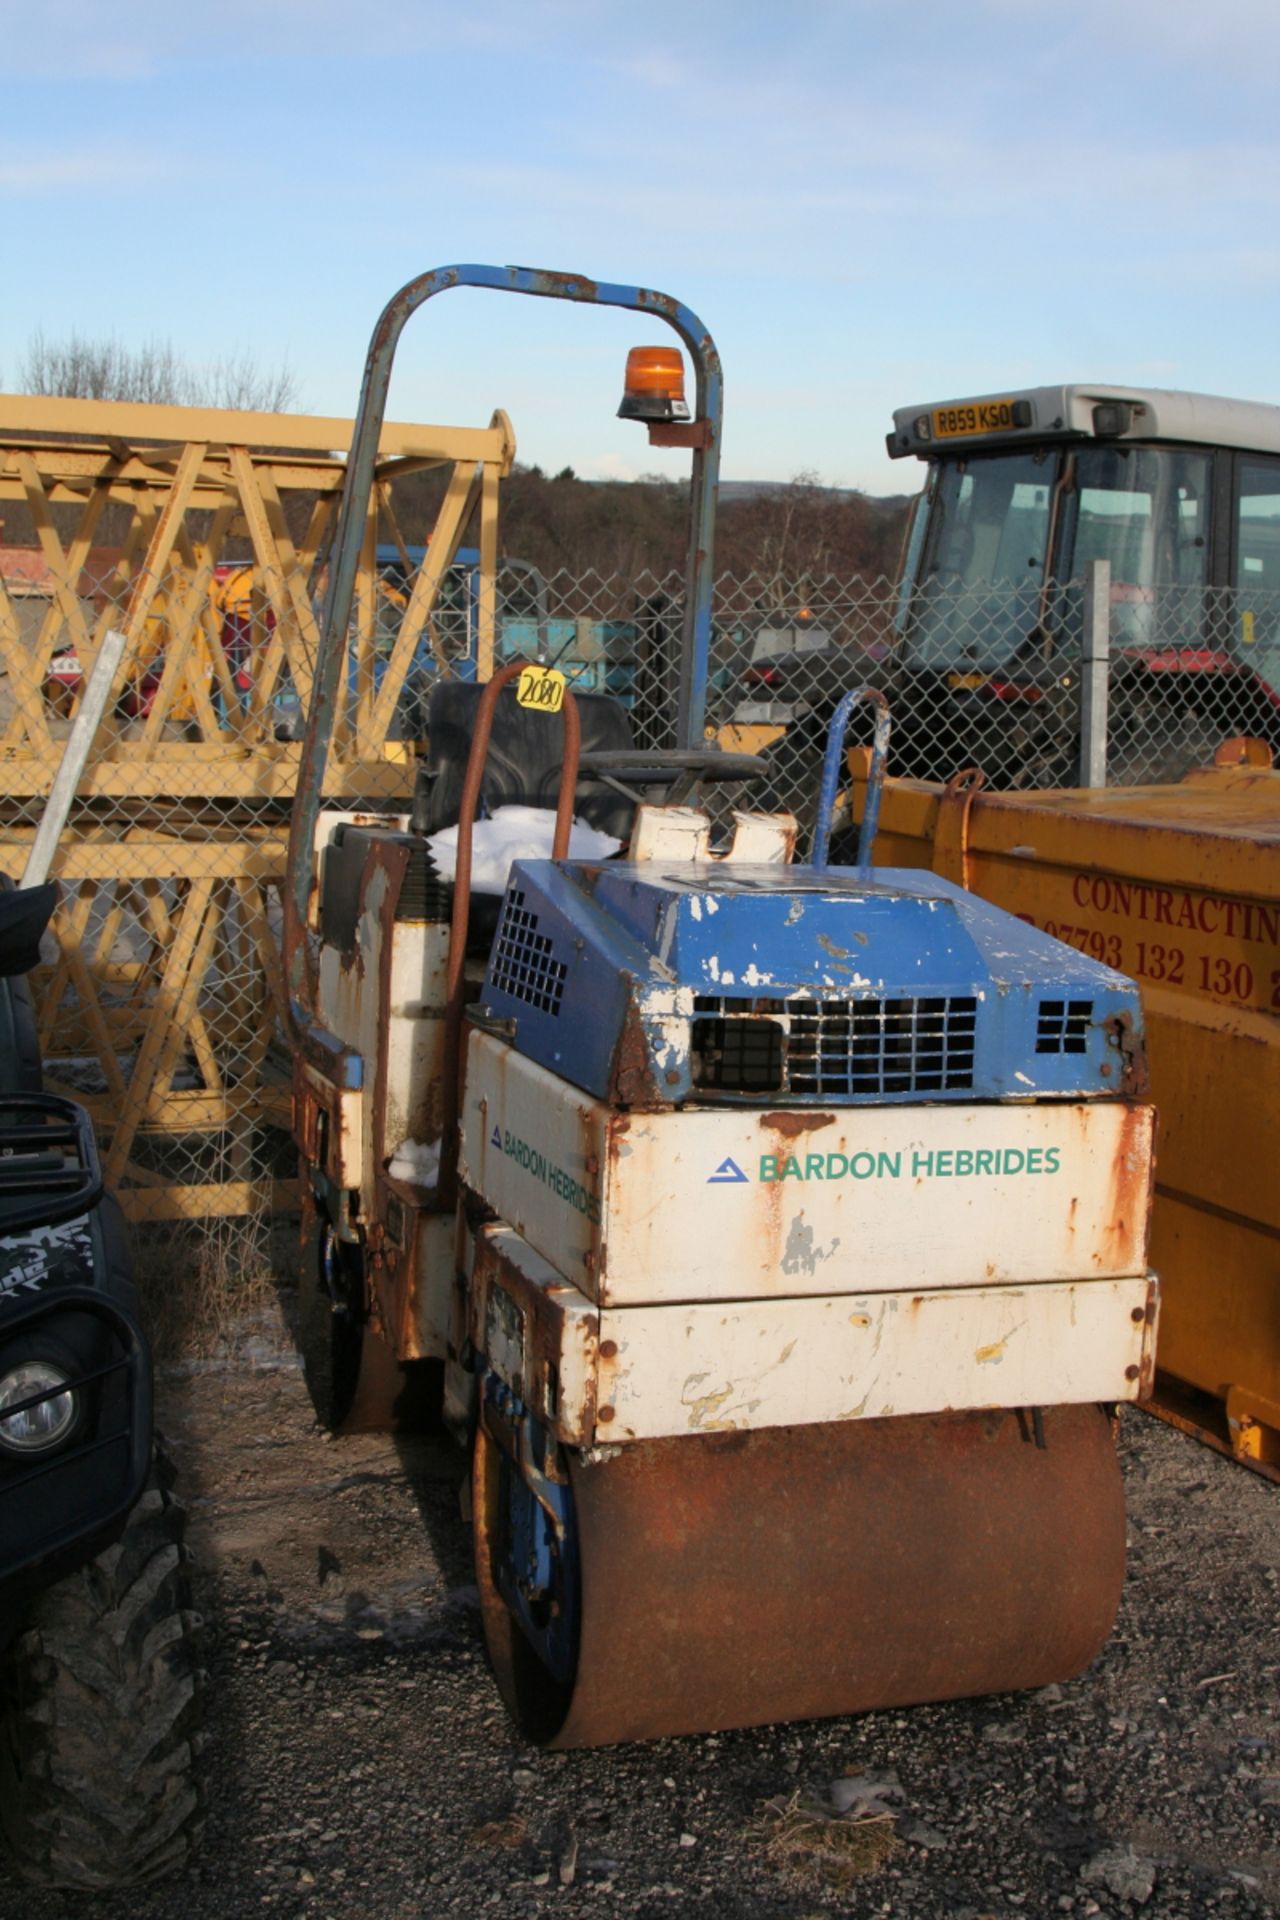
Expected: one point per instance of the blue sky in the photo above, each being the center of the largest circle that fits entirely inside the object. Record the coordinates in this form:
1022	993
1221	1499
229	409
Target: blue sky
869	204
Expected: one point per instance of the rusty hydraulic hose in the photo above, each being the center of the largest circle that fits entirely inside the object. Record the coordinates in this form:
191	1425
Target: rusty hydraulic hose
455	995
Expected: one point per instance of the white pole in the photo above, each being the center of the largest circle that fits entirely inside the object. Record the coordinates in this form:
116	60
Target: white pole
93	704
1095	672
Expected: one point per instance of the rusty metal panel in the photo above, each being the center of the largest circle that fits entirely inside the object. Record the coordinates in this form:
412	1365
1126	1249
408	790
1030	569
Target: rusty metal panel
733	1579
726	1205
614	1375
1180	887
537	1333
709	1369
328	1123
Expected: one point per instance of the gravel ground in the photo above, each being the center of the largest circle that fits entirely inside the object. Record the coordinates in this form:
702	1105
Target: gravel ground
359	1762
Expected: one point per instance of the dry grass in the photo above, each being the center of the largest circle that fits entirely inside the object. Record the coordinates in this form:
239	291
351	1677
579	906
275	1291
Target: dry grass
201	1282
818	1852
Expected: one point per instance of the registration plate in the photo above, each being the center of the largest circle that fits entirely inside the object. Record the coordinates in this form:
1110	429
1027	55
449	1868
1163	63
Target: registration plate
978	416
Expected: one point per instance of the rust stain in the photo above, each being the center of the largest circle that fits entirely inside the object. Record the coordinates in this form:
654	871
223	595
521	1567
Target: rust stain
766	1198
1132	1185
1135	1077
632	1082
792	1125
576	285
1147	1368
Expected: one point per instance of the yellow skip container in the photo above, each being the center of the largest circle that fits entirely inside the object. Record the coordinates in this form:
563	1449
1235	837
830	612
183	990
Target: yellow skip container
1179	887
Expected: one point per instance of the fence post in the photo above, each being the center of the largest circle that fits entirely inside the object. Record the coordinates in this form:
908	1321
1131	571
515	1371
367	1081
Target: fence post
1095	666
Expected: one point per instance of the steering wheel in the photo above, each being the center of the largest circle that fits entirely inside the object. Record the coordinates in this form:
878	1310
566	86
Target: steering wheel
633	769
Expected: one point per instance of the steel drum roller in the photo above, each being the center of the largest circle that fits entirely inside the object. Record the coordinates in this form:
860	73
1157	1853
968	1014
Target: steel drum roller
732	1579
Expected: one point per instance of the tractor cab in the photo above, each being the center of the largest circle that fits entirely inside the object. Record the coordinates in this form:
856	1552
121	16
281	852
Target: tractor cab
1025	491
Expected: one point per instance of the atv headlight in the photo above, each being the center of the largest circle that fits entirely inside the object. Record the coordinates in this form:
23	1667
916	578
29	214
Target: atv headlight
35	1428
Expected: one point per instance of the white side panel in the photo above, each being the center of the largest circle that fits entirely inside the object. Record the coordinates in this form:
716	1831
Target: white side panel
532	1145
704	1369
721	1205
705	1206
413	1036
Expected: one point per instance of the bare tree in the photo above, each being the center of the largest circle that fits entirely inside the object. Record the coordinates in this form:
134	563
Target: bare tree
83	369
238	381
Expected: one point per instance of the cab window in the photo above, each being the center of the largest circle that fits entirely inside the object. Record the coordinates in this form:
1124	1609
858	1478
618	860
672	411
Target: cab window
1256	574
977	597
1146	511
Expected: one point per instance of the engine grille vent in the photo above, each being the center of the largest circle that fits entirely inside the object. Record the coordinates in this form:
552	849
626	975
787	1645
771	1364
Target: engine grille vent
524	963
742	1055
883	1046
1063	1026
842	1048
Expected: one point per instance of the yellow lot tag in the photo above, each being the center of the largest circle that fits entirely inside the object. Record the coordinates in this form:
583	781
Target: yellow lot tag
541	688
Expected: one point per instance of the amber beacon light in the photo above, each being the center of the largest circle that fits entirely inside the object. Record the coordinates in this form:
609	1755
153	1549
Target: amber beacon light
654	388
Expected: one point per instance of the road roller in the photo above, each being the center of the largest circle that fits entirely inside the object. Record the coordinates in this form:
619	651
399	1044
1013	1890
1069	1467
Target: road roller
771	1232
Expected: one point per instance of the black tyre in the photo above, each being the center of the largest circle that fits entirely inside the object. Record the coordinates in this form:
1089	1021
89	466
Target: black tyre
355	1382
102	1701
331	1322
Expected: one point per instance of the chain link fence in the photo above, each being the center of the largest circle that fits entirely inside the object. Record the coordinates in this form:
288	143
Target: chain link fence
164	1008
1089	682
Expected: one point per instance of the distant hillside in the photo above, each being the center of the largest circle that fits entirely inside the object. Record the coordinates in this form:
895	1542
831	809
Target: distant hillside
748	489
793	530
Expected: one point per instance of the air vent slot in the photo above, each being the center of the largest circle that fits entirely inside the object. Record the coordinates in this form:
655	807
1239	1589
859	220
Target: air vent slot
834	1048
738	1055
866	1047
524	963
1063	1026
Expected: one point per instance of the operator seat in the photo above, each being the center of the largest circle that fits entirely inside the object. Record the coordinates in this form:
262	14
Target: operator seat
526	750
